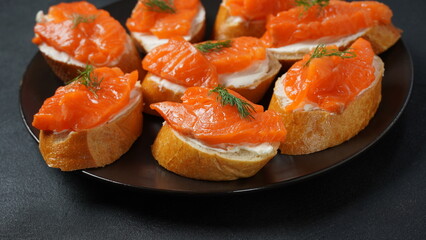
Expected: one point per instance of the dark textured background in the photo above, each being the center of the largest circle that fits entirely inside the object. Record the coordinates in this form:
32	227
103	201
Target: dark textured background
380	194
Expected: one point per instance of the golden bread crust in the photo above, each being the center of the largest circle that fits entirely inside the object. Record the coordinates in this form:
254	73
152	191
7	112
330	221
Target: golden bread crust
184	159
316	130
224	28
94	147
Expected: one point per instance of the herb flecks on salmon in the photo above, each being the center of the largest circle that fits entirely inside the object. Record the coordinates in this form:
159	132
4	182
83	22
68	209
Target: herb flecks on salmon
331	82
74	107
202	117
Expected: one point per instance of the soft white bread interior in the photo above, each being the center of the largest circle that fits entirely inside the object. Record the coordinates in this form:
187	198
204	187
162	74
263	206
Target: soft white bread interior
227	26
147	42
66	67
190	158
96	147
381	38
313	130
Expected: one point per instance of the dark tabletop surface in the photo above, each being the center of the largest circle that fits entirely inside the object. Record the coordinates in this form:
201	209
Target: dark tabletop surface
380	194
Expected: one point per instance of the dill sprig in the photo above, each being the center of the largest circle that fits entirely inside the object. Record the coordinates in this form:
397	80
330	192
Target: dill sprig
92	82
306	4
165	6
322	51
244	108
78	18
211	46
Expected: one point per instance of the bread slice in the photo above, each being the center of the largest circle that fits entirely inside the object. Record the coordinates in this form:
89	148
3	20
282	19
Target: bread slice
94	147
147	42
156	89
310	131
381	38
67	68
189	158
227	26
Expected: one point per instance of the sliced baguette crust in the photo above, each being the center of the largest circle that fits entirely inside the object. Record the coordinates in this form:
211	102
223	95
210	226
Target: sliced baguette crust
225	28
316	130
129	62
182	158
94	147
153	93
381	37
257	90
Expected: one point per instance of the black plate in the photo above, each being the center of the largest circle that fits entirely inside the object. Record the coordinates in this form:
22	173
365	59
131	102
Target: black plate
137	168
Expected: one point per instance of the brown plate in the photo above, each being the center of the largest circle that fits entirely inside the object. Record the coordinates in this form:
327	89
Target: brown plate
138	169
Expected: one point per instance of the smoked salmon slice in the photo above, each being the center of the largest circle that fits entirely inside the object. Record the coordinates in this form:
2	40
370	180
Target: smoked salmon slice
79	106
89	35
257	9
240	54
163	18
331	82
338	18
180	62
203	117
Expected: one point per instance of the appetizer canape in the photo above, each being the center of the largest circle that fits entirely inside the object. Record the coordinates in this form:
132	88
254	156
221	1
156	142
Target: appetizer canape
73	35
328	96
92	121
292	34
216	134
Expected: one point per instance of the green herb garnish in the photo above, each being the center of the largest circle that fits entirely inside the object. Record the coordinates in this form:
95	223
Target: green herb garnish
306	4
90	81
78	18
165	6
322	51
225	98
211	46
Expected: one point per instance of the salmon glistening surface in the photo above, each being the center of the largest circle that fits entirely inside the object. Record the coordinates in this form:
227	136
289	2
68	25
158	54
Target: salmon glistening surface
89	35
331	82
203	117
77	107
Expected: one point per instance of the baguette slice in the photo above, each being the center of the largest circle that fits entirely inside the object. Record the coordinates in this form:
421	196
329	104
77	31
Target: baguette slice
146	42
310	131
194	160
381	37
94	147
227	26
67	68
